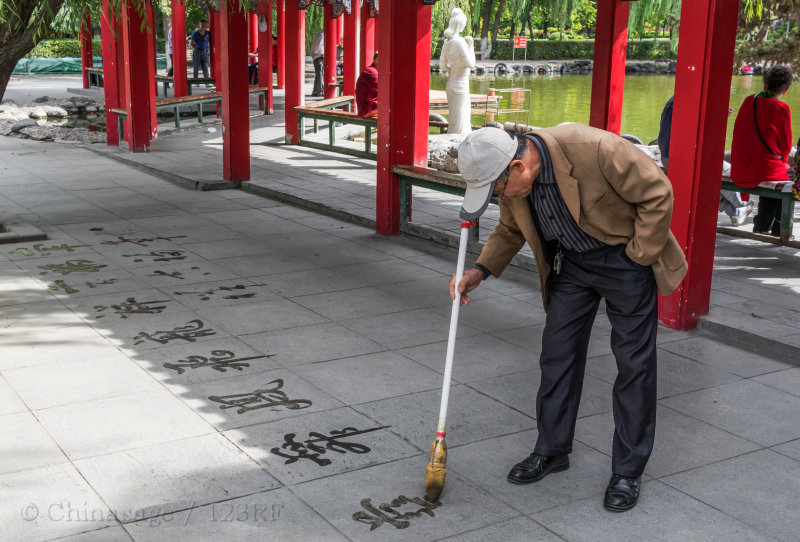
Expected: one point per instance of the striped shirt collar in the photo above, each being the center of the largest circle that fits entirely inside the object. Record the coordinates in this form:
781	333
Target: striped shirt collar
546	174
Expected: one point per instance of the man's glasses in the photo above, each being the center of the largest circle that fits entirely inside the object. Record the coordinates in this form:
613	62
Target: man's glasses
505	175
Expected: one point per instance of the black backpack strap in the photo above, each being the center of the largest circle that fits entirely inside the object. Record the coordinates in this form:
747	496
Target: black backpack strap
755	122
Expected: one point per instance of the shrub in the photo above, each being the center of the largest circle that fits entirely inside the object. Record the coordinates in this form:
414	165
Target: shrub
71	47
556	49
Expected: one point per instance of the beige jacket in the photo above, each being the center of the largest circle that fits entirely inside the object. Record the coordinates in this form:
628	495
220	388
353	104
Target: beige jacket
615	192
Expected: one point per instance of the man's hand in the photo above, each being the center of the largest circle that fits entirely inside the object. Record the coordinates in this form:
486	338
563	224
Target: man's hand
472	278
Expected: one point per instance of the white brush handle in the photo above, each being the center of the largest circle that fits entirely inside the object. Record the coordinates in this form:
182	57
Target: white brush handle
451	338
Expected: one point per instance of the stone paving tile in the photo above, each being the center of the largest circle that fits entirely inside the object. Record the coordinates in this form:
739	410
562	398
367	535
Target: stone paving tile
276	514
54	346
676	374
745	408
791	449
366	302
587	476
110	534
759	488
243	400
276	261
155	480
297	450
18	289
259	317
371	377
229	248
521	528
405	329
496	314
37	504
121	423
519	391
681	442
340	498
44	316
169	275
221	293
662	514
238	216
25	444
45	386
267	228
476	358
471	417
788	380
722	356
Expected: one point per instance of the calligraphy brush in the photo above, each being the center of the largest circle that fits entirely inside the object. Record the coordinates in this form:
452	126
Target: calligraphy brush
437	462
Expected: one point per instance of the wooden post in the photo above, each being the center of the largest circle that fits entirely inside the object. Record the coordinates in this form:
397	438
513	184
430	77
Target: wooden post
179	48
699	121
280	13
405	51
265	54
235	96
608	73
331	27
295	67
111	35
367	38
140	92
350	44
86	45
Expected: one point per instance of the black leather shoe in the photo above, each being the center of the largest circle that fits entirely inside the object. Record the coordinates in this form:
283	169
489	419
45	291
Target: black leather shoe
622	493
535	467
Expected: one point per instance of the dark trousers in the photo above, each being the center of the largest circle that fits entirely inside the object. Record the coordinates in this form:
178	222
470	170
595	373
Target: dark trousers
171	65
632	308
318	77
200	61
768	219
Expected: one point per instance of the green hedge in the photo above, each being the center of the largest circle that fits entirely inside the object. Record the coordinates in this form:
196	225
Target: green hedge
575	49
71	47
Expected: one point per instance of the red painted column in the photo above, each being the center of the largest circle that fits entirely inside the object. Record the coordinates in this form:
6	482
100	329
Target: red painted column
331	29
139	78
280	13
252	32
179	47
235	97
699	121
265	53
405	52
215	70
86	45
608	73
151	68
367	37
112	49
350	44
295	66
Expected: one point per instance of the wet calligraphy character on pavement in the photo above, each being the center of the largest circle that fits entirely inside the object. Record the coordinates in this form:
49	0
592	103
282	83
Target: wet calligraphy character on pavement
220	360
174	274
386	513
140	242
312	450
159	256
101	282
72	266
131	306
62	285
189	333
264	398
43	250
205	296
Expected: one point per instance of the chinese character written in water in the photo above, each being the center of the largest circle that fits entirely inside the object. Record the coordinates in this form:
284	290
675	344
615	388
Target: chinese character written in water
220	360
208	293
158	256
312	449
189	333
101	282
386	513
72	266
140	242
62	285
270	397
131	306
45	251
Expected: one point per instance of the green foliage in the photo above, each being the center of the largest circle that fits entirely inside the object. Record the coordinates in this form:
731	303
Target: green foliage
581	49
70	47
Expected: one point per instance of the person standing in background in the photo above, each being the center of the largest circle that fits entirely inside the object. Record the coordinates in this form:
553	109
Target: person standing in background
318	55
200	43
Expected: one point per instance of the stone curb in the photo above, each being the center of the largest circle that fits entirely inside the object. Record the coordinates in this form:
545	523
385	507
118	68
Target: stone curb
750	341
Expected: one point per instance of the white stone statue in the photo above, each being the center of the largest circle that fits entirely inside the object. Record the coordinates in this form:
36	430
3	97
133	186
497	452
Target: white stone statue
457	59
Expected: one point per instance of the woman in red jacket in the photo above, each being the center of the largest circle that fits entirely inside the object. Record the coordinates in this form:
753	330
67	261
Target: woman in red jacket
762	140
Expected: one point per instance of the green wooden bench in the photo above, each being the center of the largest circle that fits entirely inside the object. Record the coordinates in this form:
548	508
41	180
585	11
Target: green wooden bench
770	190
335	110
176	103
95	76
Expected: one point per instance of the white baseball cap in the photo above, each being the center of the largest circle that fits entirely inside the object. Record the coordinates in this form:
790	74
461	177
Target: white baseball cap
482	157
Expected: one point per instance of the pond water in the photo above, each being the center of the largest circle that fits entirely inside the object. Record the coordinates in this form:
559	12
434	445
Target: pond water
566	98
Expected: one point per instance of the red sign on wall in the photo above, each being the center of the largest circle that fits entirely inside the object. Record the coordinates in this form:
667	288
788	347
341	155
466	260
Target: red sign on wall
520	41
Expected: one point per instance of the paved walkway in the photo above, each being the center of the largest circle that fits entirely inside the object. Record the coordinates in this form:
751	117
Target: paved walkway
186	365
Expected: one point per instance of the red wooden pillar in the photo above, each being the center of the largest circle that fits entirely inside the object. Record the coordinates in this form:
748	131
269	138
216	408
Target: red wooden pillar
86	45
280	13
405	49
139	77
608	75
295	56
179	48
367	38
331	28
110	32
265	53
350	44
235	97
151	68
214	45
252	32
699	121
